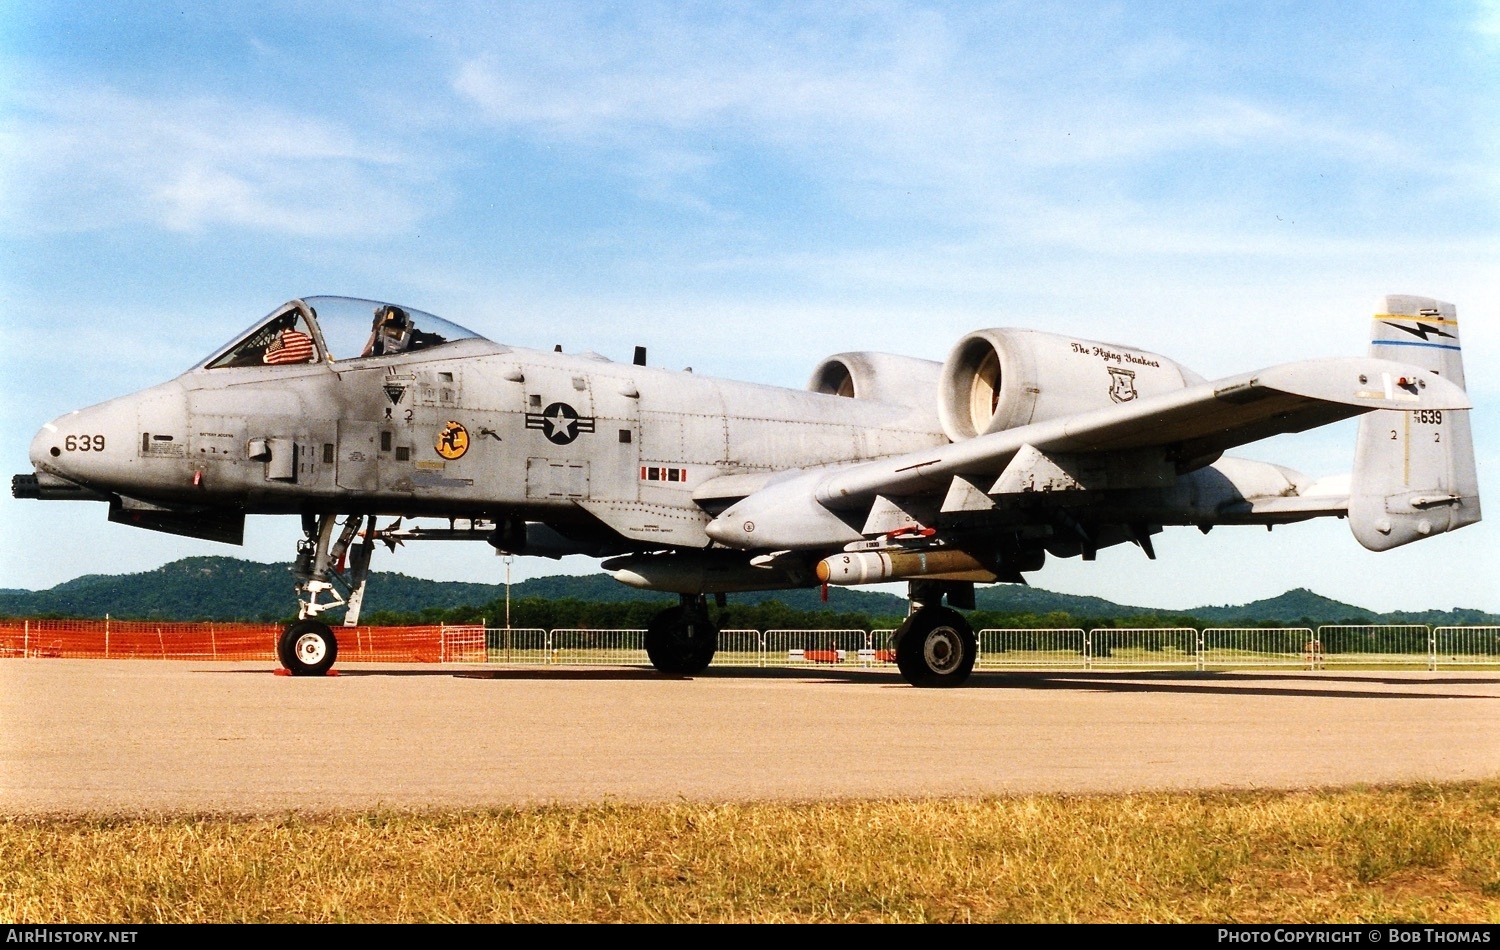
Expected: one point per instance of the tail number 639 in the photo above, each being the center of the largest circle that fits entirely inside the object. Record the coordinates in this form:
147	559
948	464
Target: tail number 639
84	443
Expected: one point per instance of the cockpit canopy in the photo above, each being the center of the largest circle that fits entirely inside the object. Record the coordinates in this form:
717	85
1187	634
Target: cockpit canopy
317	329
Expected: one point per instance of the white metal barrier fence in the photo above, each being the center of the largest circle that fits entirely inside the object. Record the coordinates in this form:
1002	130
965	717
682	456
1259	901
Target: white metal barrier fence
1260	647
1144	648
1032	648
1412	646
818	647
1465	646
1376	645
518	645
741	648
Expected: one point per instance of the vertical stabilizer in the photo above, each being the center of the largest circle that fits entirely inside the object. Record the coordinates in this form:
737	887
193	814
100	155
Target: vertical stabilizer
1414	472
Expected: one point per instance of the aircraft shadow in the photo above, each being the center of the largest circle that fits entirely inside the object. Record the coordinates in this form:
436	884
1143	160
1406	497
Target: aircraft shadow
1127	681
1231	684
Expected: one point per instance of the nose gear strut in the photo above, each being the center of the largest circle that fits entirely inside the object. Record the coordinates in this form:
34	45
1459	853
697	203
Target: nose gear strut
321	562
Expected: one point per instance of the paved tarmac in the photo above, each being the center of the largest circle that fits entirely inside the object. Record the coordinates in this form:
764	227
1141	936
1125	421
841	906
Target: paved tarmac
134	736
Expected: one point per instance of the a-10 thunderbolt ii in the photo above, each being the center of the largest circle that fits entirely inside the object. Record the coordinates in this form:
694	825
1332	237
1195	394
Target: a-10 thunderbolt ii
1021	444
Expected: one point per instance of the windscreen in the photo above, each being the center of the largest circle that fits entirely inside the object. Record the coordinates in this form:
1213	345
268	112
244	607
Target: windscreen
354	328
284	339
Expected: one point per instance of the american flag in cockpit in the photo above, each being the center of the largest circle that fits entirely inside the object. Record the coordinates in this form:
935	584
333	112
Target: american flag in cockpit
290	346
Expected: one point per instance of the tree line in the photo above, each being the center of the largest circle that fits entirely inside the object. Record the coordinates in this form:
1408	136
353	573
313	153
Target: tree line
569	614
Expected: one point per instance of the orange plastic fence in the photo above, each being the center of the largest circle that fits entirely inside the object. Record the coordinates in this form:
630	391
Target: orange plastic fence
128	639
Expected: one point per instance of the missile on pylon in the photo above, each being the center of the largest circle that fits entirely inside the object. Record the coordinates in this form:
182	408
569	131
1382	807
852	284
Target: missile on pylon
872	567
703	573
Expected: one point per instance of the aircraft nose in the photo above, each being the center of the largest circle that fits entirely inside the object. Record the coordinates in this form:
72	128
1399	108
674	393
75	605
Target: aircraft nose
79	445
98	446
42	445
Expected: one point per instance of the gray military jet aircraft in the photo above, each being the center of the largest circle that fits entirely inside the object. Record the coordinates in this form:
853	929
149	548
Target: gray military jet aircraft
1021	444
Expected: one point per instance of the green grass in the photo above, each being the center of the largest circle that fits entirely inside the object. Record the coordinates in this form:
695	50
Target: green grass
1408	854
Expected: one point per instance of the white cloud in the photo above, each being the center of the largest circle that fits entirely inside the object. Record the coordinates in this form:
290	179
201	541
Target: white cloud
81	159
918	118
1487	19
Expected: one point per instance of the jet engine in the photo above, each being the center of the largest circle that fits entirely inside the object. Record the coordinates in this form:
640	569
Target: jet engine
999	379
880	377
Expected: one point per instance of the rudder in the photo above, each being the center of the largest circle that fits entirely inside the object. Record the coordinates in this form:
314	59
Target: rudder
1414	473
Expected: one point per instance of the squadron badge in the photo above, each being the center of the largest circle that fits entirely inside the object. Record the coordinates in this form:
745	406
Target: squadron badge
1122	384
453	441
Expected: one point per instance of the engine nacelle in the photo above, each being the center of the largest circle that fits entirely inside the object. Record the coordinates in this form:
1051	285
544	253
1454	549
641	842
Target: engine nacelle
999	379
880	377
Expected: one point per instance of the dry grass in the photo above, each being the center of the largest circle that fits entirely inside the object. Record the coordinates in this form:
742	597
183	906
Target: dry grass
1411	854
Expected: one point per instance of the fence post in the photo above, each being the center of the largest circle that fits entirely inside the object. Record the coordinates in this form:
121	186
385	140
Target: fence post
1431	650
26	640
106	636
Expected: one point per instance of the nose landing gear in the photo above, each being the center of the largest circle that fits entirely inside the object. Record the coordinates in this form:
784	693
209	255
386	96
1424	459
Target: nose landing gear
308	647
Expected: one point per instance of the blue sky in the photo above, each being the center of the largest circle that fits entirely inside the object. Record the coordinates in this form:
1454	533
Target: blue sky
746	189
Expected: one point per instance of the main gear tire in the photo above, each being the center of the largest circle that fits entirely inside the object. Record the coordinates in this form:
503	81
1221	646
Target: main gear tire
307	648
936	647
680	642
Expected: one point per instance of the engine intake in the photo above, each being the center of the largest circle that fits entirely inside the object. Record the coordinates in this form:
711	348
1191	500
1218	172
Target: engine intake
1002	378
880	377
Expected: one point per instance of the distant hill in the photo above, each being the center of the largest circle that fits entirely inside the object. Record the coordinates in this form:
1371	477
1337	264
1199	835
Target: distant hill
223	588
1302	607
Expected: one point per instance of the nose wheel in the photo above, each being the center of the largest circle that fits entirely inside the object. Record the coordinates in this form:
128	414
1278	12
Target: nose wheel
307	648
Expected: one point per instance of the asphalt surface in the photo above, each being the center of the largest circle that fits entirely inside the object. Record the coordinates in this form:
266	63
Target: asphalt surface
133	737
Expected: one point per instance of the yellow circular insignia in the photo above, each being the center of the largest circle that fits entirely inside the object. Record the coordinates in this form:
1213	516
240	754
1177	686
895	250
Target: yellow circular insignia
453	441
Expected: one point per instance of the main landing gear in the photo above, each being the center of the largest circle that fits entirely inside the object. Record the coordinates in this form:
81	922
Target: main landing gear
935	646
681	640
309	647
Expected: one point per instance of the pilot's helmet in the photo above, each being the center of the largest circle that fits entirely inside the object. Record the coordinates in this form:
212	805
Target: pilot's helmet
392	317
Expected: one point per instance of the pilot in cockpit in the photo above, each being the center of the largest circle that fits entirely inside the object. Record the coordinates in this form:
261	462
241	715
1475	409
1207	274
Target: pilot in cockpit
394	332
390	333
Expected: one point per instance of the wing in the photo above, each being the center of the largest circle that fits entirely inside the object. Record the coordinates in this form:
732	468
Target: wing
1143	443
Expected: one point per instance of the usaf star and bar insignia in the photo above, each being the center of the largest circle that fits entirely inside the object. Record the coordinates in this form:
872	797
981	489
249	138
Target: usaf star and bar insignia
560	423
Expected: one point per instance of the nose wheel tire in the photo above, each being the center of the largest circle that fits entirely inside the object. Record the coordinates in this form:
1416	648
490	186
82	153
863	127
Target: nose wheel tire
679	643
936	647
307	648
